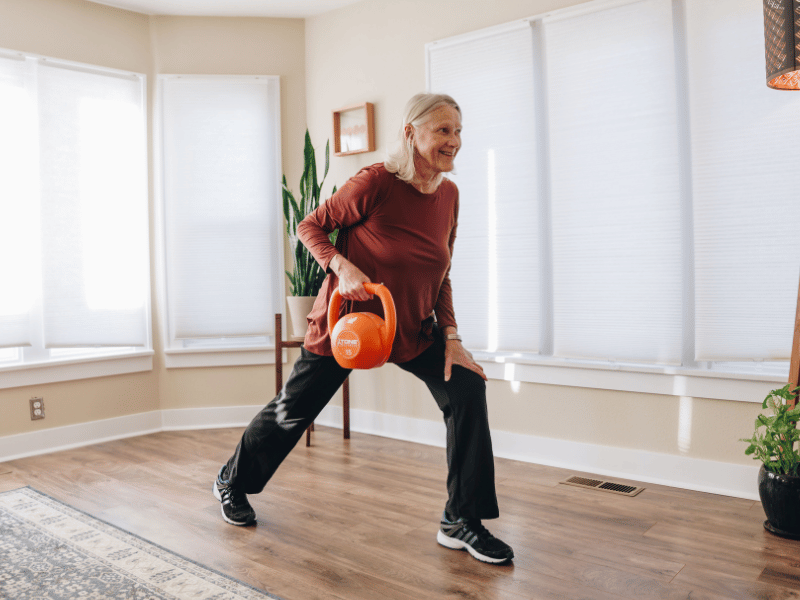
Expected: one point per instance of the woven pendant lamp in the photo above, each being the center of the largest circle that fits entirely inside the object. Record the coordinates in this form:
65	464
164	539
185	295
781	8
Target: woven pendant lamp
782	38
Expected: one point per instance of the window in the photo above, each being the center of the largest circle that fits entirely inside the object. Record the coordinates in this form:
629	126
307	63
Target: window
622	193
74	257
220	196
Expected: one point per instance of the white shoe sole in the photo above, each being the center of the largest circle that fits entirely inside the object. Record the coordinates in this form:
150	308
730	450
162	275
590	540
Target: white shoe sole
222	510
455	544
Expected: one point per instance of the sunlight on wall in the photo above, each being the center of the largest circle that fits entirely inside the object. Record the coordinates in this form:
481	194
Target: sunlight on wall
509	375
685	425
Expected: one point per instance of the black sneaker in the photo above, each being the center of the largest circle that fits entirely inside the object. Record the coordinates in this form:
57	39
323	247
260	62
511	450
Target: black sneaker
470	535
236	510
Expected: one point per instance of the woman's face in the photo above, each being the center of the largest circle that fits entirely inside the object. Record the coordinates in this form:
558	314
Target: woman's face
436	141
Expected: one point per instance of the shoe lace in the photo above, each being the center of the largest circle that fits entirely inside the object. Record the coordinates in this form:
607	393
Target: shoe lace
477	527
234	496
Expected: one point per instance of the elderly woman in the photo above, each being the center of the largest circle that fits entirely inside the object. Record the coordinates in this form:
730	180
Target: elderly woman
397	226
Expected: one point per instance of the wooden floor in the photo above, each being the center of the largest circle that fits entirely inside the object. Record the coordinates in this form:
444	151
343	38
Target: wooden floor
357	520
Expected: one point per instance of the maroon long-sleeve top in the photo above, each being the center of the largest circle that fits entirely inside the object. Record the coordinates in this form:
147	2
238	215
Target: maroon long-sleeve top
397	236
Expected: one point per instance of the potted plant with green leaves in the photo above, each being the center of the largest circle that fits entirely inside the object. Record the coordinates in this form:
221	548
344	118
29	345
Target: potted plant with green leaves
307	276
775	444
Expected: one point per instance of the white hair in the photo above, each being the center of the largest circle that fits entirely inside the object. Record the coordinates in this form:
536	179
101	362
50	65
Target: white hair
417	111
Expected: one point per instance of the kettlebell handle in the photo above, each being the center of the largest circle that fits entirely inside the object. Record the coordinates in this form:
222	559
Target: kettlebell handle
380	290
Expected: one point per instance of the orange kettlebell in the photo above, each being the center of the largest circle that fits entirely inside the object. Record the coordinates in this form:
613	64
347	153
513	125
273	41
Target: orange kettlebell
362	340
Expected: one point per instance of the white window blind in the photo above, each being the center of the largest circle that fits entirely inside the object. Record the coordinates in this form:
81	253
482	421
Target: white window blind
94	212
616	206
75	243
221	187
664	184
745	149
495	271
18	197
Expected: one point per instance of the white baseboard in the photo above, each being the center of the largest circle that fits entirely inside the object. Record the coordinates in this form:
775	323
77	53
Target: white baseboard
713	477
638	465
56	439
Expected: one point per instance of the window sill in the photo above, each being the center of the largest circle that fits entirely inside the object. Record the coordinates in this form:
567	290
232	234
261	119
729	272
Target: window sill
70	369
670	381
183	358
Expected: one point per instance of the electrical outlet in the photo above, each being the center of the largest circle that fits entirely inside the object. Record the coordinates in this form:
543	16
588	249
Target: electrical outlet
37	408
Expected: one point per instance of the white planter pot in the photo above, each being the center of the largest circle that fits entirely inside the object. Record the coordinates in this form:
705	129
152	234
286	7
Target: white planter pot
299	307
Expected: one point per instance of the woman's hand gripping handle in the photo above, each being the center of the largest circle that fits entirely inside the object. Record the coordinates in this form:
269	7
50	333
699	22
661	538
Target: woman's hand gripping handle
351	279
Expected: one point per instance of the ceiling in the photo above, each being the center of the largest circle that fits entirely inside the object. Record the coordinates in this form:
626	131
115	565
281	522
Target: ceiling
294	9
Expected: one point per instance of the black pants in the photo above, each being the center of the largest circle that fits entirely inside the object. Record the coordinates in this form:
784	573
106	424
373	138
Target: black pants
275	431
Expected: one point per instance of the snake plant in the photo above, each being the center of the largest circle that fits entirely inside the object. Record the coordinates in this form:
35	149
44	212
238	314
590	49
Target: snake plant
307	277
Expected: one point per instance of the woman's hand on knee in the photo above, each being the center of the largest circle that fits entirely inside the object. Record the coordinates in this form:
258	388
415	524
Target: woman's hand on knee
456	354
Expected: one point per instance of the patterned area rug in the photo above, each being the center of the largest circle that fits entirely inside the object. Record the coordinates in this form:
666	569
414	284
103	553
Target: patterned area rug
49	550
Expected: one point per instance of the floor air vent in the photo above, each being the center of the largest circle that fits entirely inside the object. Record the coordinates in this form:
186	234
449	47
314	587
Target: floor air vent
605	486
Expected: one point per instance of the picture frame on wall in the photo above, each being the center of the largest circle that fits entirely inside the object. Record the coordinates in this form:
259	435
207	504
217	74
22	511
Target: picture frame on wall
354	129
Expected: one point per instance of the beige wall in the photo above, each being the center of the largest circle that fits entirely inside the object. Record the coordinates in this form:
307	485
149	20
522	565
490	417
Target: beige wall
375	52
372	51
77	30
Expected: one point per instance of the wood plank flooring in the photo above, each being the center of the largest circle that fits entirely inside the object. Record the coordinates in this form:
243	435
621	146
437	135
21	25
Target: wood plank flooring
357	520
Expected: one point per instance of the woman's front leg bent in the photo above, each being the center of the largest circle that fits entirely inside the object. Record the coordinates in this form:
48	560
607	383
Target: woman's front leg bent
470	460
